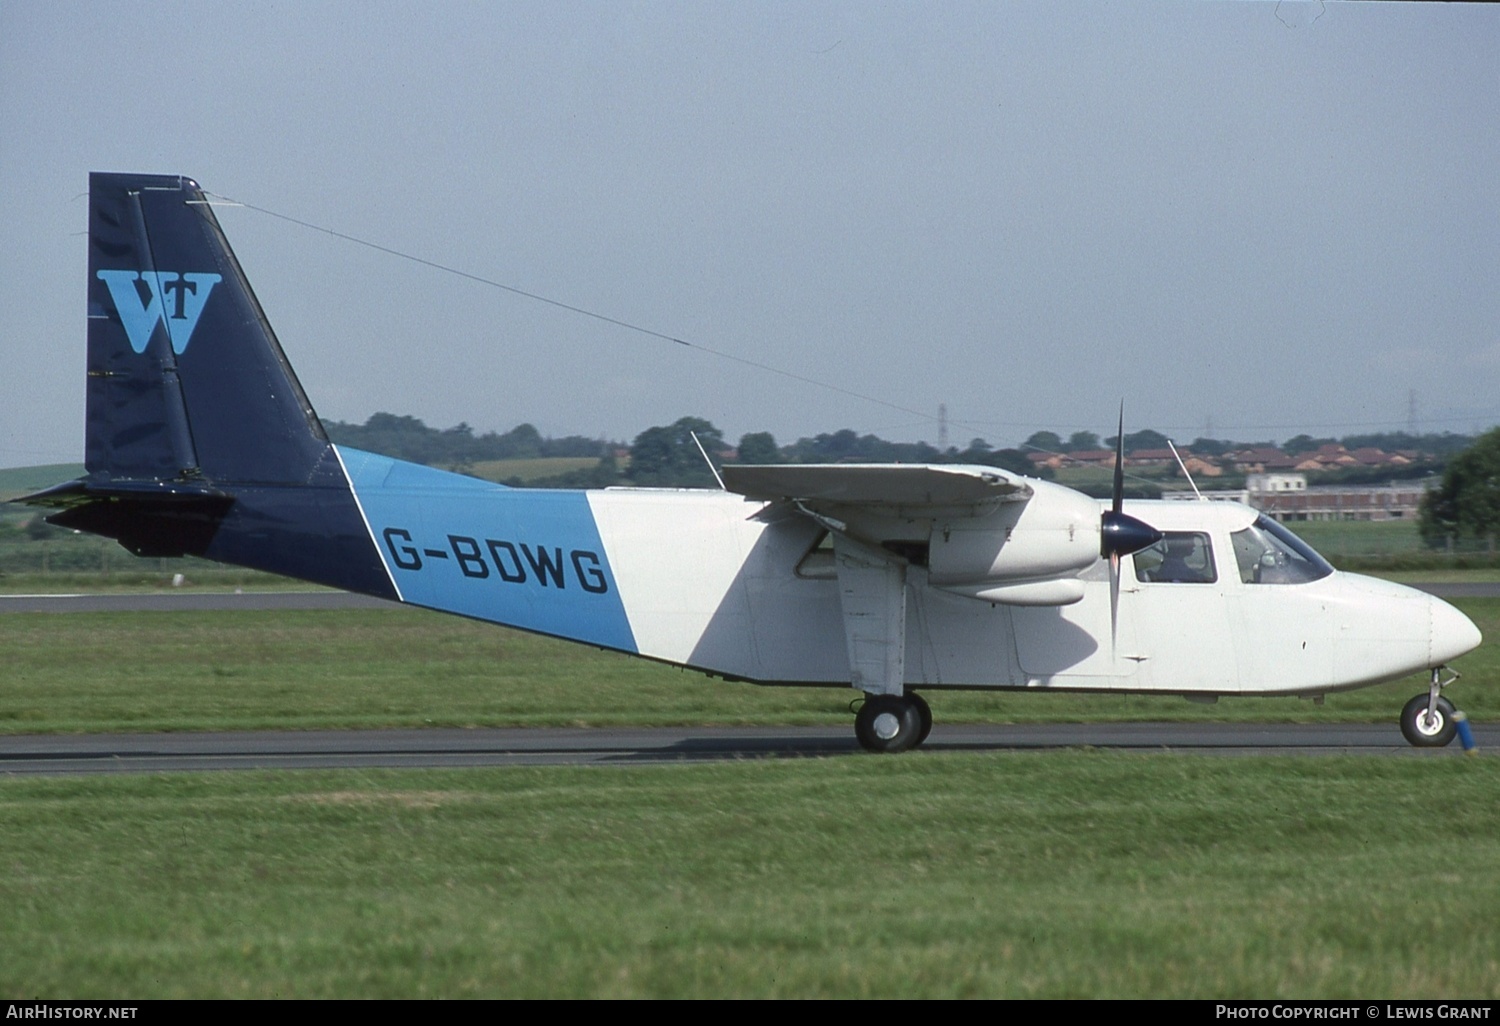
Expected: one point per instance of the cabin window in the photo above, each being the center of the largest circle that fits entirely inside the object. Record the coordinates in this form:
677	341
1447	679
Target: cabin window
1268	553
1181	557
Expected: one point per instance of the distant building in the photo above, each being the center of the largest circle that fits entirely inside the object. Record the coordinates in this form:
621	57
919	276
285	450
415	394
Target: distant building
1379	458
1093	458
1258	483
1287	497
1215	495
1150	458
1260	460
1197	466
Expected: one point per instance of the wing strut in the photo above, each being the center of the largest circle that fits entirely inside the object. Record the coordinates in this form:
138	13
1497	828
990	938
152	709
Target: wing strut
872	597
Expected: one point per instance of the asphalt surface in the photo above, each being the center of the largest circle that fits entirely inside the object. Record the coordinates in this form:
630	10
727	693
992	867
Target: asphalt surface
52	755
1452	590
177	601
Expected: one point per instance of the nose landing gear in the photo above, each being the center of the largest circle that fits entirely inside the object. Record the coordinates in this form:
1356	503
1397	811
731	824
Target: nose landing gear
1430	721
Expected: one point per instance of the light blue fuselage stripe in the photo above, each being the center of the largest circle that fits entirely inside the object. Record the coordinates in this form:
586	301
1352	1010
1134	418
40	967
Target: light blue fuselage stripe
528	558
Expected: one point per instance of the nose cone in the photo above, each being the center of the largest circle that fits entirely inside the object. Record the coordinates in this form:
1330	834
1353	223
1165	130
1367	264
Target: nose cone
1453	633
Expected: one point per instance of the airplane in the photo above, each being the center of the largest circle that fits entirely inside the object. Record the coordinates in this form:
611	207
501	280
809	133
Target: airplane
891	579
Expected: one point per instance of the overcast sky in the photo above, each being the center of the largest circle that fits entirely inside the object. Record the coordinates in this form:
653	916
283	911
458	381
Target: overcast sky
1251	219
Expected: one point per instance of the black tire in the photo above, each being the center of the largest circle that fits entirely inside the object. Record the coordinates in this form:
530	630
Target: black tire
1418	732
925	712
888	723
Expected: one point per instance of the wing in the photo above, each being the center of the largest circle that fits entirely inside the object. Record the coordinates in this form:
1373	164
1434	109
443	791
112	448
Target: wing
978	531
892	485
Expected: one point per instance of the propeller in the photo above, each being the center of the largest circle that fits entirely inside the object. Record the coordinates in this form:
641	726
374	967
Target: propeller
1120	534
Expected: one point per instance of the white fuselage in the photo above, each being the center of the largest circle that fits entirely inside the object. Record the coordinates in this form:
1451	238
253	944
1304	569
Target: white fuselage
709	581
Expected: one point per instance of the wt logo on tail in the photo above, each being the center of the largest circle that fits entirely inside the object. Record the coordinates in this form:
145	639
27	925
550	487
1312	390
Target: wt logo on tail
176	300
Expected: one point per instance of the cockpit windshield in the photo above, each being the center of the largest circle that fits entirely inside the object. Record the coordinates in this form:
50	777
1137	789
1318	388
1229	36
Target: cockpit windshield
1268	553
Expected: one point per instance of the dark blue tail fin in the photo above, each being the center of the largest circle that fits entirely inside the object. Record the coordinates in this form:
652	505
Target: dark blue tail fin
200	440
186	379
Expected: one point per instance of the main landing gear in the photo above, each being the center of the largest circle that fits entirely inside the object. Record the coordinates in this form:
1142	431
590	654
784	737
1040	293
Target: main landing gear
1428	721
893	723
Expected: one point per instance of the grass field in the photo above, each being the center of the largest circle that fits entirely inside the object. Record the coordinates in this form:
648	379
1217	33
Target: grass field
1078	874
403	668
1057	874
1336	538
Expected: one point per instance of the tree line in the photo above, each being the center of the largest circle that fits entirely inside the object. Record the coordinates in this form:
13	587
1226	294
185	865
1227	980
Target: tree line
1466	505
664	456
1438	445
667	456
407	438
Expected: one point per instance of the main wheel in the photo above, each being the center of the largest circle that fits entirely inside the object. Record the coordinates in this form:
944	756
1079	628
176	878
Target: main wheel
925	712
1425	733
888	723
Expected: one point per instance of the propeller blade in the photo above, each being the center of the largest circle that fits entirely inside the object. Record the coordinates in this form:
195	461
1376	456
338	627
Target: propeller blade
1114	602
1117	495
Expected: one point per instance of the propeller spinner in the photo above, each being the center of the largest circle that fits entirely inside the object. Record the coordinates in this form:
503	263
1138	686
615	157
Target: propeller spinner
1120	534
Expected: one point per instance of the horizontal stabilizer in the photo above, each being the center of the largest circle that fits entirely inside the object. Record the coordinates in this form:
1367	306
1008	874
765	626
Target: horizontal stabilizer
882	484
83	491
150	518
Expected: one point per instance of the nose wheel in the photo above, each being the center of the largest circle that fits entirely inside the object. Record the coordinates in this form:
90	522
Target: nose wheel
892	723
1428	721
1428	727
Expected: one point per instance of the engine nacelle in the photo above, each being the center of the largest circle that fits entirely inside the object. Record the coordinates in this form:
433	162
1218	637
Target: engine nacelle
1054	534
1056	591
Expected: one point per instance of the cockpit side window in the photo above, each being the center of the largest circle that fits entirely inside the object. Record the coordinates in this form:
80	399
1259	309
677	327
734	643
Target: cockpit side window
1181	557
1268	553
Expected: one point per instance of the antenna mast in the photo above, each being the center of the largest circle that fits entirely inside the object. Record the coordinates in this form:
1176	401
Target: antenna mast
1185	473
711	468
